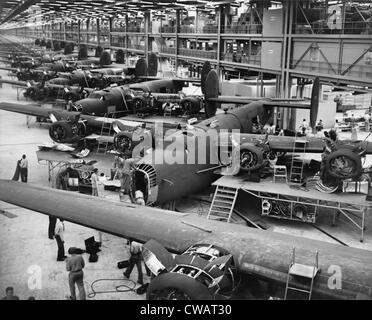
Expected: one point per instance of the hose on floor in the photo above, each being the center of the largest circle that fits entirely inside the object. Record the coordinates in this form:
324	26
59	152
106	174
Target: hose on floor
118	289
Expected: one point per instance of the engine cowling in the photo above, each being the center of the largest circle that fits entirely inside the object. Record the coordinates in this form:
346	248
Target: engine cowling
251	157
123	142
203	272
190	105
23	75
139	104
65	131
75	95
36	93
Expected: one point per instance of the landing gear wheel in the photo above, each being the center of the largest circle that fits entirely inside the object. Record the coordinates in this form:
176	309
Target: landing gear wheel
176	286
344	164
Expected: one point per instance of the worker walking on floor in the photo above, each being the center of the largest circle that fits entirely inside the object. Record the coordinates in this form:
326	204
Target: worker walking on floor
58	234
23	168
75	264
94	179
52	227
135	260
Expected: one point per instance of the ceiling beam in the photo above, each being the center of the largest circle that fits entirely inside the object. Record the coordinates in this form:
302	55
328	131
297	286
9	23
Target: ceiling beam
23	6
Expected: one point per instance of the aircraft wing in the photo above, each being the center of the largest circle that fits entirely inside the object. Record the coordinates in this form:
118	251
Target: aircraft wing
270	102
94	121
35	110
283	143
16	82
193	80
9	69
118	218
262	253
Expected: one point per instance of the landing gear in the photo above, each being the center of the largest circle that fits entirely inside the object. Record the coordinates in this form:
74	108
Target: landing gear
343	164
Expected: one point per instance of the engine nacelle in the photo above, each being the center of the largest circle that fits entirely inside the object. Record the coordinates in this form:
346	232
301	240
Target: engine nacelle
139	104
65	131
123	142
203	272
74	95
36	92
24	75
126	140
190	105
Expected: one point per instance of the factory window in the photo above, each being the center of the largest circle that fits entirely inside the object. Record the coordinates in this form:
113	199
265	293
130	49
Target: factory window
243	51
243	18
163	22
136	24
198	48
118	25
333	17
137	43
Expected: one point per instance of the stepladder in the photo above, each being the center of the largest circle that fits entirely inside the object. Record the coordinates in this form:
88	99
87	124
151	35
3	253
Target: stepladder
106	129
301	277
297	161
223	203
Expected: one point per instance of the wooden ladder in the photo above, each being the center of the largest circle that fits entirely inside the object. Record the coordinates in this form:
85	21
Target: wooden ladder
298	270
223	204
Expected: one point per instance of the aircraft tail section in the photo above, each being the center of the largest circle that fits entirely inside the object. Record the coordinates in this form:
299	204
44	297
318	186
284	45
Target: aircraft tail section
141	68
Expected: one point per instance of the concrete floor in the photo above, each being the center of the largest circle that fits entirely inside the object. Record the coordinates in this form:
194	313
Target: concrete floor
24	244
26	249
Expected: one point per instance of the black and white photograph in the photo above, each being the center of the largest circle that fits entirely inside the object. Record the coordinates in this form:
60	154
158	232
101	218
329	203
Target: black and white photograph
211	151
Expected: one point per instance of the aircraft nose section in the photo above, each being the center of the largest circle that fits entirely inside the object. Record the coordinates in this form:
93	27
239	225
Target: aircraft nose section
144	180
91	106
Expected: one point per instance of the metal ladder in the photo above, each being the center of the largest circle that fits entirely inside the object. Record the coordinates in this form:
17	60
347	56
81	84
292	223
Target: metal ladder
301	271
105	133
297	165
223	203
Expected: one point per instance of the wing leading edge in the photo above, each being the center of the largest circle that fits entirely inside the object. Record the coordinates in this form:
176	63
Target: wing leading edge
262	253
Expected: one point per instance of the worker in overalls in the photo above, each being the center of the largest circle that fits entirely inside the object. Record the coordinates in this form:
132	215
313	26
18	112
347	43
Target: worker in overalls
125	176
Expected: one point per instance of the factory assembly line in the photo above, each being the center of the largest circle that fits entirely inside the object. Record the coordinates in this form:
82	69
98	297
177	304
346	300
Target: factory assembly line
135	148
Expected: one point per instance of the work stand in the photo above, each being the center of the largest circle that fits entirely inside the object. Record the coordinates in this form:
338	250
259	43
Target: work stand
353	212
280	201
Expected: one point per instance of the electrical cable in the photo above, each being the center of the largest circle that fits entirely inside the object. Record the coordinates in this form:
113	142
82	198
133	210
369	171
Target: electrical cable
117	288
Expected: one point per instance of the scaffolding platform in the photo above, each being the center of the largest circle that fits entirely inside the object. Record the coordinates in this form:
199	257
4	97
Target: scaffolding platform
351	205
